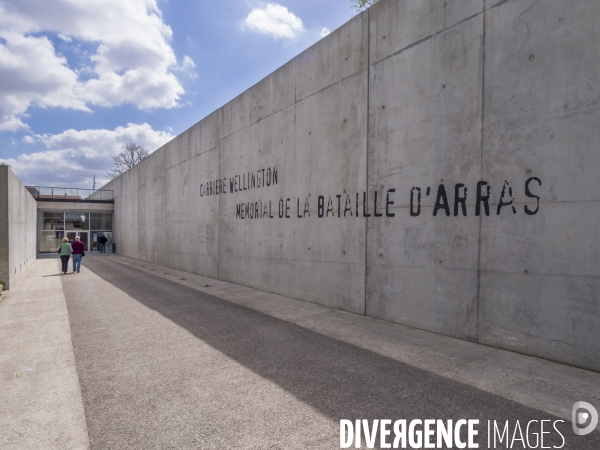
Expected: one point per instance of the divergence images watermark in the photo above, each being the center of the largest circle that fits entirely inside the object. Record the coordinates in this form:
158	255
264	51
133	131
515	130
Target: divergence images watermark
435	433
584	418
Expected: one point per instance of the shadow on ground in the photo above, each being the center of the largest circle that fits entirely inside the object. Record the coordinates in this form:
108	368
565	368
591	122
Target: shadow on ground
59	274
339	380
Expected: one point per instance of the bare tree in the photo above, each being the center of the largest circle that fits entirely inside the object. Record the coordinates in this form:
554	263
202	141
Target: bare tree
129	155
359	5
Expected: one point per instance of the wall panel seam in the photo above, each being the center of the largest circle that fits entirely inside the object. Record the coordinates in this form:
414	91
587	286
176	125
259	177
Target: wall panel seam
478	298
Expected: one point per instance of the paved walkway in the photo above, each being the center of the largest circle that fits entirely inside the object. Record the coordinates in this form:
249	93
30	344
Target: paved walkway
167	359
40	398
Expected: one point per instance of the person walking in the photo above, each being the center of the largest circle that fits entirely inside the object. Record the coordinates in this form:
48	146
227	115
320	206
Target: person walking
64	251
102	240
78	250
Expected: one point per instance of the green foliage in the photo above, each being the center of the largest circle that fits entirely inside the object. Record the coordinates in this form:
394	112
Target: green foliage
359	5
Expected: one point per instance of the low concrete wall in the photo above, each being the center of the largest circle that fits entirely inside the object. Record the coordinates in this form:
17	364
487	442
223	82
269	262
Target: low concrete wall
74	206
429	163
18	215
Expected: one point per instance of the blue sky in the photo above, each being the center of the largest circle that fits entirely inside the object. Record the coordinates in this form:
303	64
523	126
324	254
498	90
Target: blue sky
79	78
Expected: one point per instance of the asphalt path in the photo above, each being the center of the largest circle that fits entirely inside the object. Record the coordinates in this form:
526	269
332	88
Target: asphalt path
165	366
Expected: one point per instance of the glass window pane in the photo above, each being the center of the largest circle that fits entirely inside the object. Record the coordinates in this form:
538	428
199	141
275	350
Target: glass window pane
95	221
100	221
76	220
107	221
49	240
50	220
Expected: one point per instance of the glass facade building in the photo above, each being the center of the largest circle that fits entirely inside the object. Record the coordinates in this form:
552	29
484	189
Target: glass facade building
53	226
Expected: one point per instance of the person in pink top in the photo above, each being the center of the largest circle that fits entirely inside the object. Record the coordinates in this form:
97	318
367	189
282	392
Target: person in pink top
77	250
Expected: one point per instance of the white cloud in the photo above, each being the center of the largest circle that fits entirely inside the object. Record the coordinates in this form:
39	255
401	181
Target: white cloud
132	63
275	20
324	32
74	157
188	63
187	66
32	73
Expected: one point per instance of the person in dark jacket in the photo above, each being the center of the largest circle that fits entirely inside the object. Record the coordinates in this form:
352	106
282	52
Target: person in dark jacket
102	240
77	249
64	250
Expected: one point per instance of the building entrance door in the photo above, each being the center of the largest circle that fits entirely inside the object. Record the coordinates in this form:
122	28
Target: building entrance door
83	236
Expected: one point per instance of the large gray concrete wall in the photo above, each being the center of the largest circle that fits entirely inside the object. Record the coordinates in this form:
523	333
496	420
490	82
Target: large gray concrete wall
425	106
18	215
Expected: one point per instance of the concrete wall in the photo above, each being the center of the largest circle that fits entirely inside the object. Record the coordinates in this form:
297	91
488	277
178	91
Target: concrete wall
18	215
74	206
420	104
